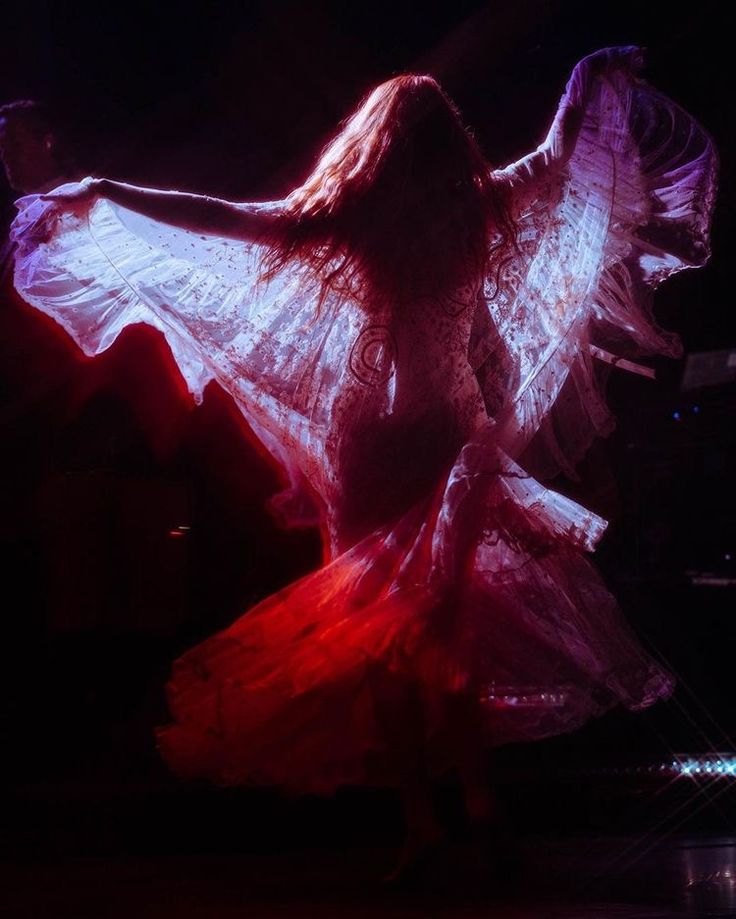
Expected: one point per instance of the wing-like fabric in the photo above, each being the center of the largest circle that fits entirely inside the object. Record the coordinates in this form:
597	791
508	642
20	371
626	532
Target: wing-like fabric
97	272
480	587
631	207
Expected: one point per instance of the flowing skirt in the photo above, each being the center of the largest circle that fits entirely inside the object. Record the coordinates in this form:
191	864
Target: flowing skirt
480	594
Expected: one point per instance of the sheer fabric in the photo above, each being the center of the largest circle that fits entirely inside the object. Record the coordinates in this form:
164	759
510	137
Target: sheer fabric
450	569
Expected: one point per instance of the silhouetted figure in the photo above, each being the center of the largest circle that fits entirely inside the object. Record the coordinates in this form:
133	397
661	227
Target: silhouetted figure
456	609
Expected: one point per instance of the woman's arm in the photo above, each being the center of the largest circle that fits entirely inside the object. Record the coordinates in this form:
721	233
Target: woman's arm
556	149
198	213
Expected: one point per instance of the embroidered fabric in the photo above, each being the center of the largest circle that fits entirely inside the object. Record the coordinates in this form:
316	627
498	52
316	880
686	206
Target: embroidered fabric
451	569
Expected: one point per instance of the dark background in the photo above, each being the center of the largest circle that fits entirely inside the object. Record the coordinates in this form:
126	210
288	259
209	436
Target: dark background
133	523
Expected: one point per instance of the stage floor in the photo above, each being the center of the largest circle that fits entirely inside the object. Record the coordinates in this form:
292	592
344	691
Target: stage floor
535	877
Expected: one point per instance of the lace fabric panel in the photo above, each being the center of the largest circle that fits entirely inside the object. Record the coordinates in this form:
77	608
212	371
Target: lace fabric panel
631	207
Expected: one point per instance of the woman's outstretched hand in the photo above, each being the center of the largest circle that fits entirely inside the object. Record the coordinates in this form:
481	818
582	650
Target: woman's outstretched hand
77	193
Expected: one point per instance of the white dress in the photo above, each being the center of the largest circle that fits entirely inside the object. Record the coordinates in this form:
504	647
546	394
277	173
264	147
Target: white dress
448	565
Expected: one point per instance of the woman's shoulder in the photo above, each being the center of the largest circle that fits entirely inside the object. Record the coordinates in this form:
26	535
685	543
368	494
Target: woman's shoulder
260	221
275	207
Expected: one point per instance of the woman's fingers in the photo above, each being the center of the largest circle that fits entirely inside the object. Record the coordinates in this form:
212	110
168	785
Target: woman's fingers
80	195
79	191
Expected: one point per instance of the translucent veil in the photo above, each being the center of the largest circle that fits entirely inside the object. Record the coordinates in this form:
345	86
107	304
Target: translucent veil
631	207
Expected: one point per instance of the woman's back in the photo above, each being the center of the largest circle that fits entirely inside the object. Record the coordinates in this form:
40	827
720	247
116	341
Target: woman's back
395	434
395	218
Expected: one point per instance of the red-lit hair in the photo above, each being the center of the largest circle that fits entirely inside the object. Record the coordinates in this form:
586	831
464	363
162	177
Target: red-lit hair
400	201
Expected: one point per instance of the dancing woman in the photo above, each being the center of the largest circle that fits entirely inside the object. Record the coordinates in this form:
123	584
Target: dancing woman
412	335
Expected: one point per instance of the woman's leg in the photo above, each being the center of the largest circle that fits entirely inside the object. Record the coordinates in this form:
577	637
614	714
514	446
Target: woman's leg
480	801
400	714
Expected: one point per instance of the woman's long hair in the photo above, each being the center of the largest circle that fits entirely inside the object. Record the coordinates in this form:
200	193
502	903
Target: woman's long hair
399	203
